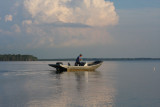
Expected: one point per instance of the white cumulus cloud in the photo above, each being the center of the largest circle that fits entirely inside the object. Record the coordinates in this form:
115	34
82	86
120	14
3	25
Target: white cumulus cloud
8	18
88	12
66	23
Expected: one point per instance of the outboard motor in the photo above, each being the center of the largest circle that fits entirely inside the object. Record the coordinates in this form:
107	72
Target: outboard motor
58	63
58	66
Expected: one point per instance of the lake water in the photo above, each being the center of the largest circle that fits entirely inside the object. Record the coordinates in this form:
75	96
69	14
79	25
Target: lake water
114	84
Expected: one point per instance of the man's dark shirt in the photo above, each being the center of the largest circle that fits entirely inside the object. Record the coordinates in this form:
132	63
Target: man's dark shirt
78	59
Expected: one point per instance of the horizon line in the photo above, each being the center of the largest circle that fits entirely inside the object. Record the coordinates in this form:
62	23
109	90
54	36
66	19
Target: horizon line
104	59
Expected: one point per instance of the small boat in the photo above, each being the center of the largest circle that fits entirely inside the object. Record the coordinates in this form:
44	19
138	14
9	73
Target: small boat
84	67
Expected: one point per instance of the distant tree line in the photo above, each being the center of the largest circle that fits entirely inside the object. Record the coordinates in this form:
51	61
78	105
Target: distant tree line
18	57
102	59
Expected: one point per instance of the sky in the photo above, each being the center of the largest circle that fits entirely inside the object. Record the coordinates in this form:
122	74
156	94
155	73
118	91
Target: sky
95	28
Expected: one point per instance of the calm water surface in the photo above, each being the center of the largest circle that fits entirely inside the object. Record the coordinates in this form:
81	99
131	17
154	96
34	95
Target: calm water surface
114	84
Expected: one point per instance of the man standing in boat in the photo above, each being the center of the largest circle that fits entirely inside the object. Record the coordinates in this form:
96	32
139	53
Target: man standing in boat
78	60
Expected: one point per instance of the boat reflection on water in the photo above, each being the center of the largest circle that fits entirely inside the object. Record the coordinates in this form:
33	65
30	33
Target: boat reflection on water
83	88
54	72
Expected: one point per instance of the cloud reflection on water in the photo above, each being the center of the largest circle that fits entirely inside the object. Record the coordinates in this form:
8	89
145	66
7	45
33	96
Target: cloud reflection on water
74	89
49	89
